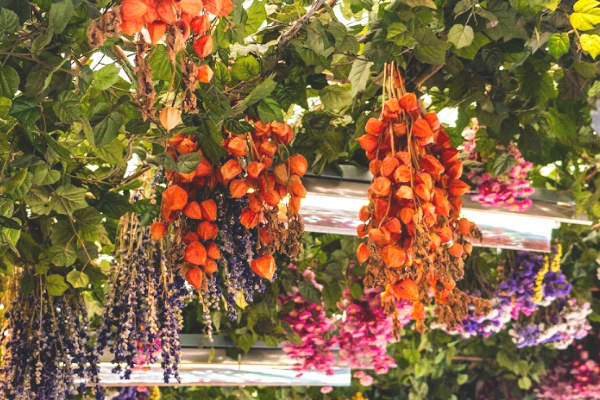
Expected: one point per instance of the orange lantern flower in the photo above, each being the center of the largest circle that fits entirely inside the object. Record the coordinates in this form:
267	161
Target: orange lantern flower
195	253
264	267
193	276
158	230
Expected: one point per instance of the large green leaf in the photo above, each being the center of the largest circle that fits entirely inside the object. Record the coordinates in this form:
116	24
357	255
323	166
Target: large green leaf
245	68
60	14
586	14
9	81
107	129
359	75
78	279
56	285
335	98
159	63
257	14
469	52
429	48
9	23
68	198
106	76
66	107
25	110
397	32
558	44
461	35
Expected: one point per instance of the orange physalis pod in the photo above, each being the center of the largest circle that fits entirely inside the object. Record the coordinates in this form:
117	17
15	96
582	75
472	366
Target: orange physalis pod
442	207
464	226
433	121
436	241
205	73
368	142
450	156
156	30
404	157
166	12
458	188
158	230
268	148
296	187
393	225
456	170
423	192
190	237
381	186
406	289
446	234
192	210
237	147
418	311
132	10
170	117
402	174
468	247
375	167
264	267
375	127
186	146
294	204
388	166
298	164
249	218
283	132
431	164
255	168
193	276
425	178
408	102
200	24
238	188
204	168
211	267
219	8
209	210
406	215
192	7
264	235
203	46
254	203
362	253
404	192
195	253
393	256
272	198
174	198
456	250
421	129
212	250
364	214
281	174
362	230
399	129
208	230
231	169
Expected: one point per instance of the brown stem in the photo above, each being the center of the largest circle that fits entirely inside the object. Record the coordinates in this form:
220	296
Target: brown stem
419	80
289	34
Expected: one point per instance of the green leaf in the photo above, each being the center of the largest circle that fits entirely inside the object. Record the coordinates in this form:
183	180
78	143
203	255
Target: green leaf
561	125
78	279
209	139
112	152
558	44
269	110
10	223
105	77
9	23
461	379
238	126
590	44
66	107
260	92
9	81
166	161
245	68
503	163
336	98
461	35
38	199
469	52
524	382
586	14
67	199
63	254
463	6
359	75
159	63
107	129
429	48
356	291
398	33
257	14
43	175
221	76
420	3
56	285
60	14
188	162
26	110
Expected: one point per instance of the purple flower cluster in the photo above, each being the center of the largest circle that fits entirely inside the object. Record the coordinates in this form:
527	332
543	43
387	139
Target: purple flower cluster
237	245
142	314
511	189
519	288
46	355
365	331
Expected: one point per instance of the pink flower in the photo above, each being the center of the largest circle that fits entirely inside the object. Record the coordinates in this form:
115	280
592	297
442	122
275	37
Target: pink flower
326	389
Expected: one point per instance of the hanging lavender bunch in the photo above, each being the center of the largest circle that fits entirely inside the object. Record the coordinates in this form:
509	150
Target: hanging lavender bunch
142	316
237	250
45	341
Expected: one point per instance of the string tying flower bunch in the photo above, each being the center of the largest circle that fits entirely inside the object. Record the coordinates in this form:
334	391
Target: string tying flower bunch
415	239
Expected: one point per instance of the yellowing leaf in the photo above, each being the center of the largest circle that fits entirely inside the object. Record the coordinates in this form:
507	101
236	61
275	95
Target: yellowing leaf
585	15
590	44
461	35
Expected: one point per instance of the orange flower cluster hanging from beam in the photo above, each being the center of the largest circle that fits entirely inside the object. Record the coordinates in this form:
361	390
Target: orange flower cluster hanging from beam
416	240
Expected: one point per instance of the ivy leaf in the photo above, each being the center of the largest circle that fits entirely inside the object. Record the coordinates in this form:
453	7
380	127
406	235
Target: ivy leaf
429	48
78	279
66	107
26	110
245	68
107	129
68	198
56	285
586	14
558	44
60	14
112	152
187	163
9	23
590	44
105	77
560	125
9	81
461	35
359	75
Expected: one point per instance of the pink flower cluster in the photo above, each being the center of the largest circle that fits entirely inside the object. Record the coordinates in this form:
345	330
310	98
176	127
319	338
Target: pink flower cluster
365	331
511	189
310	322
579	380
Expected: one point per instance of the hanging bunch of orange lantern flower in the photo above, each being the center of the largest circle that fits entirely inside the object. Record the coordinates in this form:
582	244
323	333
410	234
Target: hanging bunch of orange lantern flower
416	240
225	214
